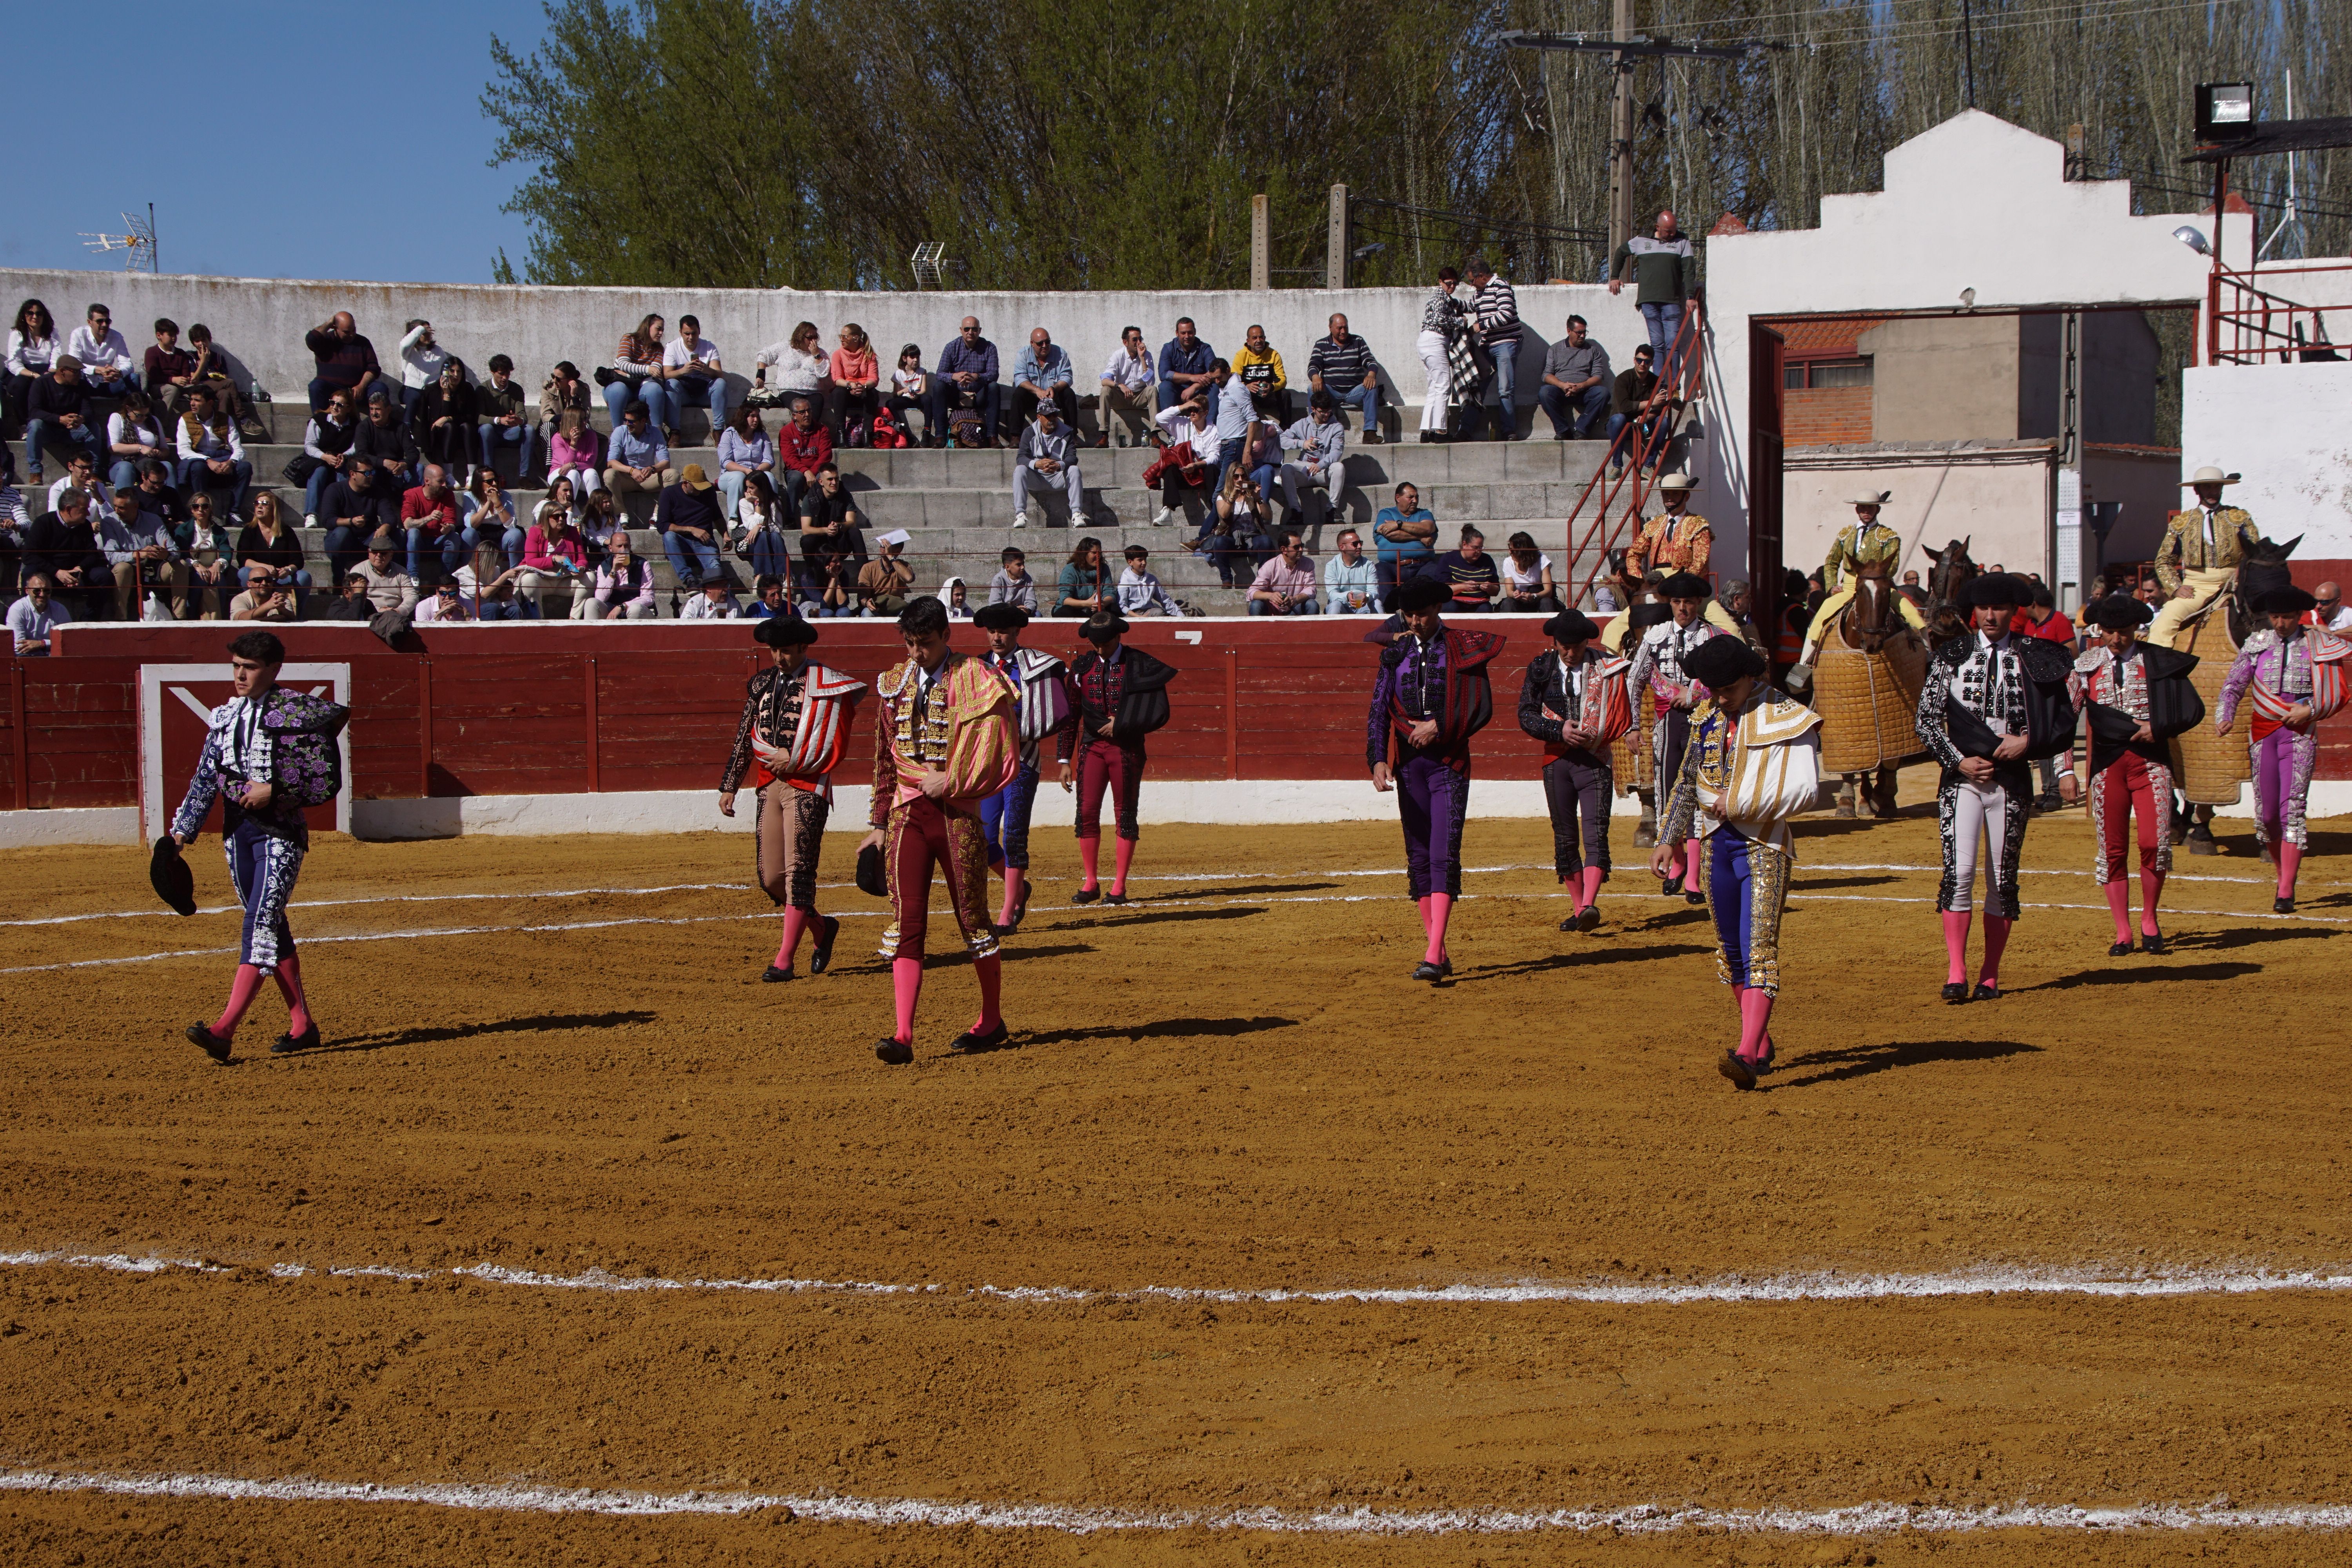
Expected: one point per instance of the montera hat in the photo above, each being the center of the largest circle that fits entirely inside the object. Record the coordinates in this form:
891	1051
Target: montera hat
2209	474
1641	617
1007	616
1421	593
1999	588
173	882
783	631
1686	585
1103	626
1571	626
2287	601
1872	497
1678	481
1720	660
2119	612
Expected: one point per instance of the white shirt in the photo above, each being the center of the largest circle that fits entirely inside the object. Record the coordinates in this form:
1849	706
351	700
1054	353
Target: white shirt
702	608
1180	426
31	356
420	362
146	432
795	371
1133	371
29	625
100	493
2341	620
108	353
1518	584
207	445
677	356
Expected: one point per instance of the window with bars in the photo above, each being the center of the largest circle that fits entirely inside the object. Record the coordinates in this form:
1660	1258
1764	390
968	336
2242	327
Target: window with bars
1827	373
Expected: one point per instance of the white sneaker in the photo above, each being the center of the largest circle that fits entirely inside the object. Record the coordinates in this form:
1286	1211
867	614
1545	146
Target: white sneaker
310	519
1167	516
1020	520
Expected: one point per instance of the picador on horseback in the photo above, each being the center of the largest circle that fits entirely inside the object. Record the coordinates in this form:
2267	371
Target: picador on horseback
1864	661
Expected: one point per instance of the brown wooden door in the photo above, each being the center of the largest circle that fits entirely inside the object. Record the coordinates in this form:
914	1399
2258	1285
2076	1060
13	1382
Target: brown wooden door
1767	364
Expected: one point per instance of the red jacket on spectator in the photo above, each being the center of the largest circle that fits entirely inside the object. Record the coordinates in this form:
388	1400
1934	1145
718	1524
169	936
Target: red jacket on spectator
416	504
2057	628
807	450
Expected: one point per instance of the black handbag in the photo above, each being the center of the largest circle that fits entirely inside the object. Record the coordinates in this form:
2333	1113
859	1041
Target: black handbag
299	469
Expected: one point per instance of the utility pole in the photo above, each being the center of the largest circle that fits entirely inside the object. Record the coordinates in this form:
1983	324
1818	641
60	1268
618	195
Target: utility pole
1335	242
1260	244
1621	133
1969	47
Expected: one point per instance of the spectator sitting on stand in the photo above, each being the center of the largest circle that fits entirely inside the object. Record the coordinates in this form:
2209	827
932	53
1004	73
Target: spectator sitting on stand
712	601
1040	374
576	451
854	400
635	377
1047	457
764	534
744	451
564	391
1259	366
638	457
421	360
1528	585
206	546
828	585
769	602
56	418
1575	384
1012	584
1644	403
491	589
691	526
106	364
447	603
1321	442
353	602
442	422
803	449
212	454
884	584
381	441
133	436
1189	426
1285	585
327	443
1233	532
212	368
1469	573
354	509
265	598
1352	579
623	589
1139	592
504	423
429	513
1124	404
488	516
33	350
266	541
910	392
1405	538
1341	364
145	557
601	522
1086	587
830	520
82	473
32	620
800	369
170	370
62	546
554	556
1188	365
390	589
966	378
696	377
346	361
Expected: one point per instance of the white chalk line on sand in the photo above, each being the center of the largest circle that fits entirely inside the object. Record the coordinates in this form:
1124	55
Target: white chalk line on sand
1867	1519
1135	877
1797	897
1734	1289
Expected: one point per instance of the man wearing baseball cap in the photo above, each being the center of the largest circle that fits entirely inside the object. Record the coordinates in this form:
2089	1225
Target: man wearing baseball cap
691	520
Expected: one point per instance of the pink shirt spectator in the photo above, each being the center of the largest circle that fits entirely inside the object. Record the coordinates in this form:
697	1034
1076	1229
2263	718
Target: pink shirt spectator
540	552
859	366
1276	578
562	454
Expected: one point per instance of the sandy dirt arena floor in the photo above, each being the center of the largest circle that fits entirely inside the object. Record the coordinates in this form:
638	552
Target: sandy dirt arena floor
570	1205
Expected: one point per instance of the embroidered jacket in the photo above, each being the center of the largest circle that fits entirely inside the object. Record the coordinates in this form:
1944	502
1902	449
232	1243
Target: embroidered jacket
961	724
1445	678
1673	541
2186	548
1986	680
794	727
1750	771
2279	673
239	750
1041	693
1858	546
1558	694
1658	660
1119	701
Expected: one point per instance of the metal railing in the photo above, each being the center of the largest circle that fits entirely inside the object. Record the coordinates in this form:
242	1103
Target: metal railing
2248	324
1633	455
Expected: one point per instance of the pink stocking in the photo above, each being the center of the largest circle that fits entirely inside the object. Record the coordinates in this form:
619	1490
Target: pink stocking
1755	1014
289	986
1089	855
1440	909
2119	906
1588	890
2152	891
241	993
906	984
1694	858
795	922
1996	939
2290	861
1955	945
1015	880
1122	857
1421	904
990	971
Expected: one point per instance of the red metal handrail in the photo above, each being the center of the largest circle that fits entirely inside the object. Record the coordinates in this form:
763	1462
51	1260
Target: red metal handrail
1687	365
2250	310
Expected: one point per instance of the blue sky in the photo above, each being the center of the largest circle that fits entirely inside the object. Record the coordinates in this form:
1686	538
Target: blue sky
269	197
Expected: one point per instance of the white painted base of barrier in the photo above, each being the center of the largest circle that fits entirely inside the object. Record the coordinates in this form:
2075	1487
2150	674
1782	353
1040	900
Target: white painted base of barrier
79	824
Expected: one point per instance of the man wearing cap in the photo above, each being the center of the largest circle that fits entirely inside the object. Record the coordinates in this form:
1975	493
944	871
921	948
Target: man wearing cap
1040	684
1047	459
691	520
797	720
2135	695
1661	667
2294	676
2202	551
389	589
1865	548
1573	700
1754	762
1974	716
1119	695
1432	694
884	583
1677	538
943	742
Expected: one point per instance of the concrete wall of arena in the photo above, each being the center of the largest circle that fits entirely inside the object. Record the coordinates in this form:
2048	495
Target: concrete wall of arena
1975	205
261	320
2288	429
1995	497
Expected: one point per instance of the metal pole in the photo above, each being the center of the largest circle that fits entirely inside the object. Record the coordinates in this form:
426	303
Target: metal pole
1969	47
1260	244
1621	150
154	243
1335	241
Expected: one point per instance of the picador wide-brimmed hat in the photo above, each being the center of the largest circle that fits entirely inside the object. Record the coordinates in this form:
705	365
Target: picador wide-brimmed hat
2209	474
1720	660
1872	498
1678	481
2119	612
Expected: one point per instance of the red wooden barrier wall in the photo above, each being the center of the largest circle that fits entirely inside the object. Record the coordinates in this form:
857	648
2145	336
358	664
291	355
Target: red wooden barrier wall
565	708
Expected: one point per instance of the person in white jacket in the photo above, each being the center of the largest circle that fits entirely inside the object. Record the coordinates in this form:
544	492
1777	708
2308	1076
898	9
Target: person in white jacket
1754	762
421	360
106	362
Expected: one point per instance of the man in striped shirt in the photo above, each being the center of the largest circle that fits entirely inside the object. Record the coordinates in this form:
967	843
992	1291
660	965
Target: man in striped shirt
1341	364
1494	315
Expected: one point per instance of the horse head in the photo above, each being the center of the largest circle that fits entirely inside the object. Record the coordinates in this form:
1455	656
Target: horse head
1953	571
2264	569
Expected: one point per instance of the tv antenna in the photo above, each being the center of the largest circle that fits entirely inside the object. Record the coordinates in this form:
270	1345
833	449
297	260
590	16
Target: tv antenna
138	245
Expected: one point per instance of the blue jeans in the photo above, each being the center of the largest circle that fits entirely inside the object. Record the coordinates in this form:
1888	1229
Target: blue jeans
705	557
448	549
771	556
1505	358
346	546
655	395
1266	607
525	436
1664	319
1634	449
194	471
124	475
695	392
1228	454
1576	412
57	439
1365	399
1004	818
